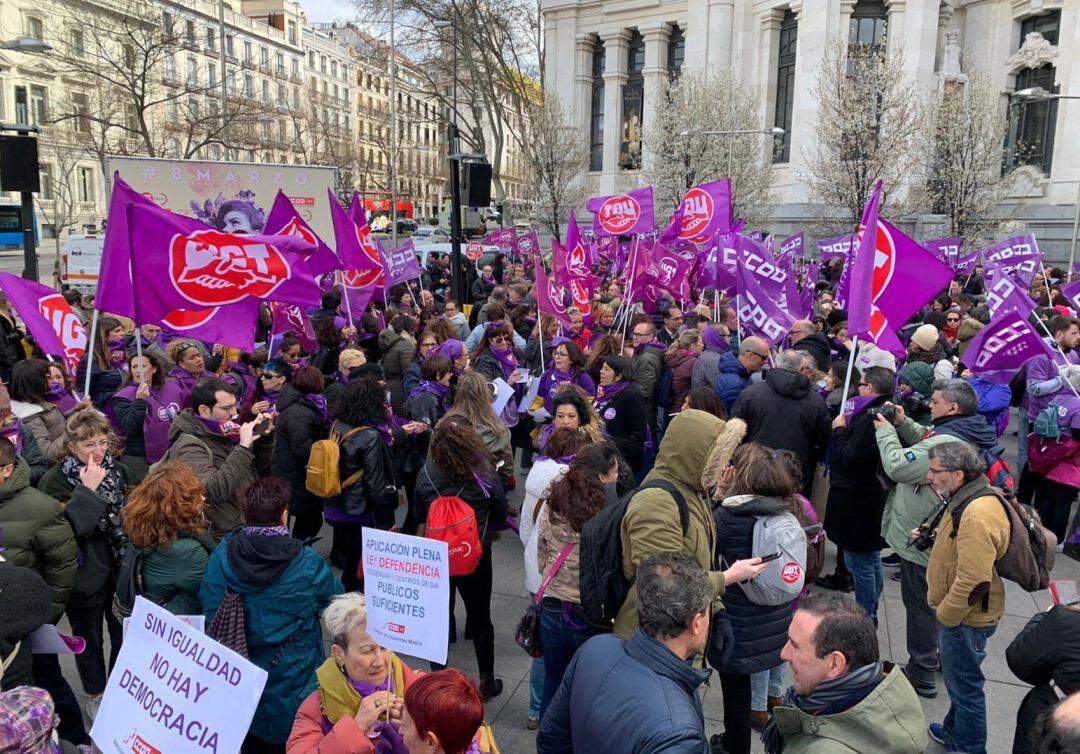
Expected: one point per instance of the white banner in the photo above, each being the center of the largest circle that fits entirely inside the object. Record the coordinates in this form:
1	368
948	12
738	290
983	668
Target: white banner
173	689
407	588
231	196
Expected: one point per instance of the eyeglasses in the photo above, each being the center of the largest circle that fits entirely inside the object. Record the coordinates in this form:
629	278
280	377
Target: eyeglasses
228	408
952	319
763	357
677	318
186	345
932	470
641	335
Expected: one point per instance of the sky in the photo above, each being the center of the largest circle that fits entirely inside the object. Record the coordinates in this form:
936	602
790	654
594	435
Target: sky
327	10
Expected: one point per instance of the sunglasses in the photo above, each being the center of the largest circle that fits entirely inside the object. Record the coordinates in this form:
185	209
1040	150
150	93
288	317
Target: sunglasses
499	338
952	319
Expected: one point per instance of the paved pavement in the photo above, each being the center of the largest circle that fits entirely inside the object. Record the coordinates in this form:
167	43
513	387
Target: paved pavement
507	713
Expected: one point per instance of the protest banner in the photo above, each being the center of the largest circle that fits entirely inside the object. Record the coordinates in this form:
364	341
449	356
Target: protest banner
173	689
407	586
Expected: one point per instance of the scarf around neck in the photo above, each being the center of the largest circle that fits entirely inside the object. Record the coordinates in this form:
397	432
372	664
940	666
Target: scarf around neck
318	400
341	696
831	697
111	488
229	429
605	393
640	348
712	340
13	434
439	390
505	357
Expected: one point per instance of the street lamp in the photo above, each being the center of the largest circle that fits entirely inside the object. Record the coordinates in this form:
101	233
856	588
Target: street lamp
457	277
28	45
731	134
1038	94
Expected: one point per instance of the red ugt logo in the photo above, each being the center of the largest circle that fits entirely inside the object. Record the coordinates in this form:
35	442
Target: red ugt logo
211	268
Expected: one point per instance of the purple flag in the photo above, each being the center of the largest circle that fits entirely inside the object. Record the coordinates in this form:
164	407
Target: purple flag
401	263
549	295
759	313
48	317
705	211
356	209
291	318
1004	295
965	263
1000	348
503	238
527	245
607	247
864	262
181	268
755	260
669	269
628	214
1071	291
671	232
570	267
809	288
284	220
835	248
945	249
793	245
232	326
1018	256
354	244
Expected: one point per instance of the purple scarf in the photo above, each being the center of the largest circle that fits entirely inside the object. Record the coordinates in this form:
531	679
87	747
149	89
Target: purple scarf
489	280
638	349
605	393
13	434
367	689
230	430
505	357
63	399
271	397
187	382
318	400
439	390
857	405
712	340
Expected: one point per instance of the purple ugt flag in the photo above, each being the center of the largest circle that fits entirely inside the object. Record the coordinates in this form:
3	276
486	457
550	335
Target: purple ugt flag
354	245
356	209
48	318
549	295
704	211
286	221
1003	294
1000	348
860	299
624	215
503	238
291	318
1019	256
232	326
759	312
400	263
835	248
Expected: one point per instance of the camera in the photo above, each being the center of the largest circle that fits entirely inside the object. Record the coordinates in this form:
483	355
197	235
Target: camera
924	539
916	404
114	532
886	412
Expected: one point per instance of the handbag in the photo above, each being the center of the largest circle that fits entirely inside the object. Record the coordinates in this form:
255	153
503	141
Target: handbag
527	634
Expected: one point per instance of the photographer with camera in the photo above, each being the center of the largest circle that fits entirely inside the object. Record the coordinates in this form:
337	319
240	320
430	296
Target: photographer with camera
856	492
904	447
93	484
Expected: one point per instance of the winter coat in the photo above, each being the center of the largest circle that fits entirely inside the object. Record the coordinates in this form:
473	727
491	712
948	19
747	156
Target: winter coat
84	509
490	507
531	358
31	453
631	696
856	496
461	325
625	421
760	630
172	574
681	363
489	366
225	468
1046	651
993	403
481	290
921	378
889	720
731	379
11	345
818	346
961	567
37	535
869	355
652	524
46	422
26	605
376	491
297	427
285	587
398	350
552	537
706	368
412	377
785	412
647	368
103	382
541	475
498	444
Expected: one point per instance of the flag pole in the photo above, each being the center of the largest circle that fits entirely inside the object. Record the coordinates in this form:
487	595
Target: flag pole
348	306
90	348
850	369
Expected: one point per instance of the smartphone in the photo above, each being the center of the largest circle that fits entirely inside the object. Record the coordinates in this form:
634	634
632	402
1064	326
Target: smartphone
262	428
767	558
1064	592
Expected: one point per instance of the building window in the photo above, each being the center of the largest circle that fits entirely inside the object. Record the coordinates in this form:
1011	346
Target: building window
869	22
48	230
1031	122
211	39
189	32
596	117
1048	25
78	43
281	63
247	52
266	90
296	68
192	73
38	106
167	23
264	57
676	52
86	184
633	96
785	86
292	32
230	47
82	112
211	71
46	182
249	85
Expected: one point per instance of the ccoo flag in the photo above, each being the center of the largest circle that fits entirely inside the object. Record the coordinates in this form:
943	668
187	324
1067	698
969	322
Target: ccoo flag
401	263
284	220
625	215
1000	348
1018	256
1003	294
48	317
759	312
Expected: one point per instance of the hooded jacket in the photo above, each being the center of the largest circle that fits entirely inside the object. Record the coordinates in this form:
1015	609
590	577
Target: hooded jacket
888	721
37	535
856	496
285	587
25	607
297	427
920	376
460	324
681	364
818	346
784	412
172	575
225	468
707	368
398	350
46	422
626	696
732	377
652	523
969	328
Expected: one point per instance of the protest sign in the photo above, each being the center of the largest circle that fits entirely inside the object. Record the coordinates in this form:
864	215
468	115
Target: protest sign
173	689
407	586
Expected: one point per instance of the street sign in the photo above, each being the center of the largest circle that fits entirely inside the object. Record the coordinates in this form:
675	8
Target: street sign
474	251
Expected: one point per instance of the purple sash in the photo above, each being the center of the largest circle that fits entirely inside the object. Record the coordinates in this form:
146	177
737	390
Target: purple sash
161	407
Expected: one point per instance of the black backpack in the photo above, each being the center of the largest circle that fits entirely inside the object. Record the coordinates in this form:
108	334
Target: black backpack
129	581
601	581
665	388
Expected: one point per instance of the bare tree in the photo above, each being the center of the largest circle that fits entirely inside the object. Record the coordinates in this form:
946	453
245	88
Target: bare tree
679	156
557	156
58	201
966	132
867	128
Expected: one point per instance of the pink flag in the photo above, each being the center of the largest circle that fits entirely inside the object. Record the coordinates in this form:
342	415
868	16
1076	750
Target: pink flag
232	326
284	220
549	295
355	246
291	318
48	317
528	245
863	265
628	214
182	268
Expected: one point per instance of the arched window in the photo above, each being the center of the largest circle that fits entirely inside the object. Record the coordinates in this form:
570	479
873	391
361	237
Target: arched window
785	85
1032	121
596	113
869	22
676	52
633	104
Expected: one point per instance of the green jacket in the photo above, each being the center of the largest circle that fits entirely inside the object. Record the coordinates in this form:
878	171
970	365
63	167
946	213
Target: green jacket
37	535
888	721
652	524
172	575
905	460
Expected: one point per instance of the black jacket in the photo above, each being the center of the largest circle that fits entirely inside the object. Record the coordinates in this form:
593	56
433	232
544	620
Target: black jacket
1048	649
490	509
785	412
625	420
970	428
488	366
376	492
26	605
297	426
760	630
818	346
130	414
103	382
856	497
11	346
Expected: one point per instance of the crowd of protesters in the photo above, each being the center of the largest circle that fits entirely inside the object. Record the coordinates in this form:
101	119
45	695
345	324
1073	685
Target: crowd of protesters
698	434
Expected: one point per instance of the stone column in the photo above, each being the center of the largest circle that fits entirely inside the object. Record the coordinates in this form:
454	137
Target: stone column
916	25
764	81
721	32
581	105
654	73
615	51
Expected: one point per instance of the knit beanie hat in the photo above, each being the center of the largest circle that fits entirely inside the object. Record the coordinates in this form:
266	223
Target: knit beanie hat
925	337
